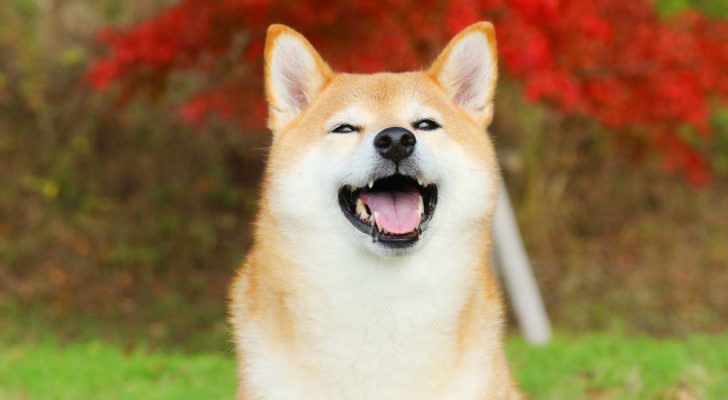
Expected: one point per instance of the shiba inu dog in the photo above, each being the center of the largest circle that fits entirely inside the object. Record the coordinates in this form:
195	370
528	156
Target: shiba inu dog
369	274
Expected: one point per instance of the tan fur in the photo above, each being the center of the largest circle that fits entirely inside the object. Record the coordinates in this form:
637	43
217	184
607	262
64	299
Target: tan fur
265	291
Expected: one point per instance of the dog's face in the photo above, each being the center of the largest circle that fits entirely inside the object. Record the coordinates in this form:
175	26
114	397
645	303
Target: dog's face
382	161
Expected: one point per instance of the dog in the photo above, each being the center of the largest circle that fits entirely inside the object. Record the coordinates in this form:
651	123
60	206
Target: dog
369	275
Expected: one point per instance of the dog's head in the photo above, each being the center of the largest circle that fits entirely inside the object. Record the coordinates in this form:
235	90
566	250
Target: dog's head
381	161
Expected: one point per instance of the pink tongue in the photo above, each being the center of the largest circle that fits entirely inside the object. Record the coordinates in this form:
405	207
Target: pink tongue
396	211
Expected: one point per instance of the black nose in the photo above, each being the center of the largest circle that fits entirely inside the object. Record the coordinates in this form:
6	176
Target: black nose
395	143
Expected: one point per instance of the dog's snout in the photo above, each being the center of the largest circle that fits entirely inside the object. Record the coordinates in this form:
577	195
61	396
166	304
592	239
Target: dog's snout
395	143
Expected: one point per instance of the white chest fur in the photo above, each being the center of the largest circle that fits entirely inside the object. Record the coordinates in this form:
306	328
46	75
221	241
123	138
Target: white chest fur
375	331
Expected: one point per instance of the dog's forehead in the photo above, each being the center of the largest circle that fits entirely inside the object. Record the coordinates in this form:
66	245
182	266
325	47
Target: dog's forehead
411	93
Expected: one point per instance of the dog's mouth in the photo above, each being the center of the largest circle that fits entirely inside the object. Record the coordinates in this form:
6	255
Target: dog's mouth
394	210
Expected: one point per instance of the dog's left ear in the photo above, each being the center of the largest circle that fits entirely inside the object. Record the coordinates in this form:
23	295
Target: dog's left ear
468	68
294	75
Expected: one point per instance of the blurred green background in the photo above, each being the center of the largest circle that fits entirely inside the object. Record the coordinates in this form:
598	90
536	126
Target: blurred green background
120	230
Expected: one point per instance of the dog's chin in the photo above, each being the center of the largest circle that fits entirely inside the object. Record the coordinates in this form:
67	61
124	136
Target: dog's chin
393	212
378	249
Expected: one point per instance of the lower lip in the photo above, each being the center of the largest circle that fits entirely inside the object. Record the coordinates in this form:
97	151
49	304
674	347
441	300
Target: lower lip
396	242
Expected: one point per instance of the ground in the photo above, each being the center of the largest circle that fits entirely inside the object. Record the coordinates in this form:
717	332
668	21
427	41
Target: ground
594	367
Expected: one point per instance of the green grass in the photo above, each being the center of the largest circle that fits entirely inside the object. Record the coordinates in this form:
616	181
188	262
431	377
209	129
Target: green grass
100	372
615	367
591	367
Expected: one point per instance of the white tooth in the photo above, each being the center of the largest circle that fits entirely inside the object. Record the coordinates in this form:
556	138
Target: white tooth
419	180
421	206
371	184
376	221
361	210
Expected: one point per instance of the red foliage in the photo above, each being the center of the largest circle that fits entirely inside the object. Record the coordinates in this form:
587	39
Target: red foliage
613	60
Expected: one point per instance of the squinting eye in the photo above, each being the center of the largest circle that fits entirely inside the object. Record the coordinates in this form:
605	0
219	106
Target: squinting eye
425	125
345	128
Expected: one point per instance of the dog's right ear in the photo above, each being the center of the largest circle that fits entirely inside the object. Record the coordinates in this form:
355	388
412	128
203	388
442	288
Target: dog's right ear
467	69
294	74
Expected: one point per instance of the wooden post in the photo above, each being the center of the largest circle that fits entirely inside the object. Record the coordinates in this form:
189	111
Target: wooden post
517	274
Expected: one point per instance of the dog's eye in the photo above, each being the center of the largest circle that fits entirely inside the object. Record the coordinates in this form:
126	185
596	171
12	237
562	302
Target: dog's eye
345	128
425	125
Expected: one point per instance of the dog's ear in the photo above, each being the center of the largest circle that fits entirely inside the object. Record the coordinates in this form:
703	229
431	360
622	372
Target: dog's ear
468	68
294	74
